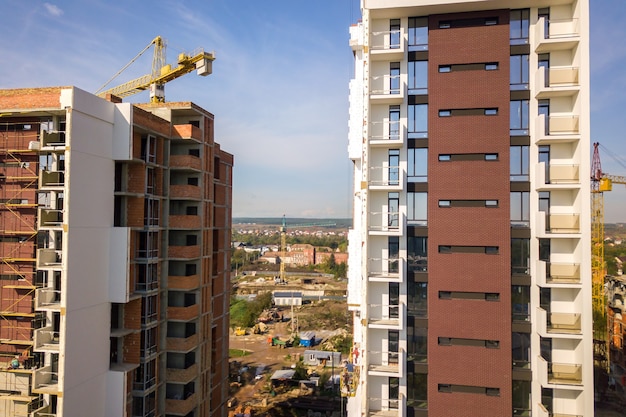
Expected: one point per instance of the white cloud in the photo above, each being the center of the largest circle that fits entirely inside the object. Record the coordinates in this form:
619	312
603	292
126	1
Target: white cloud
53	9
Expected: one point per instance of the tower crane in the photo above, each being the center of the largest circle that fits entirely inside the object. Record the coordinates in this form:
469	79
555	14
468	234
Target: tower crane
600	183
162	73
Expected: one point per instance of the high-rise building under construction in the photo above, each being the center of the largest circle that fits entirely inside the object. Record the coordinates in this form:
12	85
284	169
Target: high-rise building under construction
470	265
114	242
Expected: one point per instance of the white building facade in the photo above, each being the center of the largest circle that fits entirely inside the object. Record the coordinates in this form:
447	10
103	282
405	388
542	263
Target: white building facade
469	267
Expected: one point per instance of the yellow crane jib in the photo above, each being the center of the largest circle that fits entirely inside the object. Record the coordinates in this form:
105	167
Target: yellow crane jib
198	60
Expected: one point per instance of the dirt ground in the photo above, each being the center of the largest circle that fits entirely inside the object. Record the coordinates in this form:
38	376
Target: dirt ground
261	354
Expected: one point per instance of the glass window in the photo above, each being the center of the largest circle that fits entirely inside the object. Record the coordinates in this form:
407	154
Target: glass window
417	253
418	34
522	398
417	391
520	209
519	25
417	165
393	214
394	34
491	112
418	77
417	344
519	72
417	299
417	208
445	68
519	118
445	113
394	78
520	256
519	163
394	167
520	303
418	121
521	350
394	122
393	247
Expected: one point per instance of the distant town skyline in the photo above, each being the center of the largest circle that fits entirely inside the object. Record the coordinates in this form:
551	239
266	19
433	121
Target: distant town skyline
279	88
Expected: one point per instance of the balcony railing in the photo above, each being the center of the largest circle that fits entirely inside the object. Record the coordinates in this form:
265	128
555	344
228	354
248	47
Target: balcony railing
45	381
387	407
386	133
187	131
52	179
52	138
564	174
187	162
50	218
183	282
182	376
46	340
181	344
543	412
184	252
556	34
47	299
49	258
183	313
562	273
386	315
568	323
564	223
387	45
386	222
187	192
386	177
564	373
184	221
181	406
386	363
387	89
385	269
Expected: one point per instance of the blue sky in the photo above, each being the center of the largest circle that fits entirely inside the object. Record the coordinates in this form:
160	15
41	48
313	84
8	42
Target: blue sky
279	88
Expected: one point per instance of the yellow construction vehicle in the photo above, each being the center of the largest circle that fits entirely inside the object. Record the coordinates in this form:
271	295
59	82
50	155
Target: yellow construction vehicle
162	73
240	331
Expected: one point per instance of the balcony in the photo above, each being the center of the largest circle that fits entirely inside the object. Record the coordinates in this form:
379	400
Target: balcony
385	269
558	82
45	411
567	323
390	364
386	223
542	411
557	176
50	218
556	35
386	316
387	407
387	89
558	325
52	180
181	406
183	313
386	178
52	140
181	344
556	129
387	45
45	381
49	258
182	376
187	131
186	192
386	133
47	299
46	339
558	224
183	252
190	282
185	162
559	272
184	222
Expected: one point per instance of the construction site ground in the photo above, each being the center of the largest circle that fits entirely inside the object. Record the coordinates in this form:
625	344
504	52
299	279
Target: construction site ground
250	390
